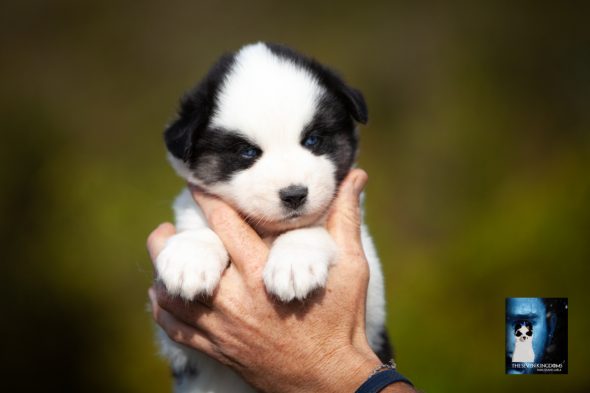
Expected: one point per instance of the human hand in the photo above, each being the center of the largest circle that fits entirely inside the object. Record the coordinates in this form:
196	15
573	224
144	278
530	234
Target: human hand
318	345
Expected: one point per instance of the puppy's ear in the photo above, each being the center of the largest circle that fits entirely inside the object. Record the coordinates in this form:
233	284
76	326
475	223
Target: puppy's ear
352	98
178	137
193	116
196	108
356	104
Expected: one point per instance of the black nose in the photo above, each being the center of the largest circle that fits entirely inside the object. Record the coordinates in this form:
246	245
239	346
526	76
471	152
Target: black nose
293	196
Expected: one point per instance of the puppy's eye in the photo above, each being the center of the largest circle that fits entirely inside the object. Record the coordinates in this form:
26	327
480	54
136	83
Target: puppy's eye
249	152
529	333
518	334
312	141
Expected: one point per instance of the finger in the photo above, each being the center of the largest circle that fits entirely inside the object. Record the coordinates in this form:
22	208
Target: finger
195	313
246	249
157	239
344	218
180	332
351	273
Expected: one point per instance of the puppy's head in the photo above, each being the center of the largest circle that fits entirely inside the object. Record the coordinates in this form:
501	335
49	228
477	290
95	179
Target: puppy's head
271	132
523	331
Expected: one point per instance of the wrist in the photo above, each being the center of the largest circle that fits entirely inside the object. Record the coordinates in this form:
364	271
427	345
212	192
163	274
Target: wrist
345	370
348	369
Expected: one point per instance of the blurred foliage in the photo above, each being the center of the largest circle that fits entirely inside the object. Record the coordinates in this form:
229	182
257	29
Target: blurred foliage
477	151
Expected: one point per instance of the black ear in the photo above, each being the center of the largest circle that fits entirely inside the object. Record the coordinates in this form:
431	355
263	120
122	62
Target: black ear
179	136
356	104
352	98
196	108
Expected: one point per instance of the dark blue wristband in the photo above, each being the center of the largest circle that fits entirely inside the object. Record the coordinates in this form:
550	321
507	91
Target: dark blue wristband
379	381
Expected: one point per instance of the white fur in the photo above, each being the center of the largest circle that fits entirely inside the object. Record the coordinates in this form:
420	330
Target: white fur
266	97
269	100
192	262
523	347
298	263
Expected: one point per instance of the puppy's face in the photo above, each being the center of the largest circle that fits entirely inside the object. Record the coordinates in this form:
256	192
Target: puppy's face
523	332
269	131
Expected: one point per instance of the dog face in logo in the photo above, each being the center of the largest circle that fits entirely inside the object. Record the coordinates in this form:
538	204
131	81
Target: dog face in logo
523	331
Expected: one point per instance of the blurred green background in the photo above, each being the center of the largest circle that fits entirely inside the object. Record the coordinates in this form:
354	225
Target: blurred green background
477	150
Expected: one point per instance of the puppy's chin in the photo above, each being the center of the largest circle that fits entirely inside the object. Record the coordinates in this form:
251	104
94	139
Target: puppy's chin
267	220
289	222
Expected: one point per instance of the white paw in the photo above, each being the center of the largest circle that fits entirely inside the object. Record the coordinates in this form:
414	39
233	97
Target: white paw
294	270
191	263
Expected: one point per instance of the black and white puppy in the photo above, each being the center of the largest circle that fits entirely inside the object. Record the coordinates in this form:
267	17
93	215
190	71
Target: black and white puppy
523	342
273	133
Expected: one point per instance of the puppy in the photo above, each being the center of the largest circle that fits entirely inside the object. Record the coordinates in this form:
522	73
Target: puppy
273	133
523	345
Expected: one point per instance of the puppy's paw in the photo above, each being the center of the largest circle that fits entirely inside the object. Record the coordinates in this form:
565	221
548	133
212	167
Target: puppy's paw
298	263
191	263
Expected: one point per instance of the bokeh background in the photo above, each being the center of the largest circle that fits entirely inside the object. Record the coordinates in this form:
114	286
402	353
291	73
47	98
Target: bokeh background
477	150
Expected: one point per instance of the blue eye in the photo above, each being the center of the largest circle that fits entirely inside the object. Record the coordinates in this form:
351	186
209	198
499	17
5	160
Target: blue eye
311	141
249	153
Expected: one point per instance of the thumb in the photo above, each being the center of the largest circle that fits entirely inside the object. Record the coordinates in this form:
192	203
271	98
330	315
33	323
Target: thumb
344	218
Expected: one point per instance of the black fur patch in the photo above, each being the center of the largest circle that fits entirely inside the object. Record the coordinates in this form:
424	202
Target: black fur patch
217	155
520	324
188	372
196	108
337	133
385	353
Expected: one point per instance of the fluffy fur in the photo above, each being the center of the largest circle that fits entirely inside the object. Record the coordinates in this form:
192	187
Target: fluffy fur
272	133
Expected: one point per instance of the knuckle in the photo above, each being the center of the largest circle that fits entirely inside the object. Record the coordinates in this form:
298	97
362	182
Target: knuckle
151	239
228	304
176	336
166	303
218	354
255	279
351	218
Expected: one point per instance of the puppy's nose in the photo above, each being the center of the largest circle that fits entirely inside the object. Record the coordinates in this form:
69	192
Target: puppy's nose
293	196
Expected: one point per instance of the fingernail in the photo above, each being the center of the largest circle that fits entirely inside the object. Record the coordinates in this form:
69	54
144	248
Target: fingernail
152	295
